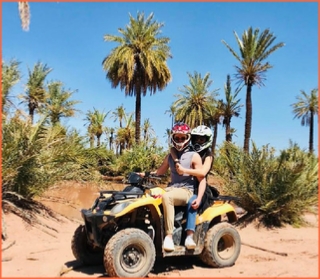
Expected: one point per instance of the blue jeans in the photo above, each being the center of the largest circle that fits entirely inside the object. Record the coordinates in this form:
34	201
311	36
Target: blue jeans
191	215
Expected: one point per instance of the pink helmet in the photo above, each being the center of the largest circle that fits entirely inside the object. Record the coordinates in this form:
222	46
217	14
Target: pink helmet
180	136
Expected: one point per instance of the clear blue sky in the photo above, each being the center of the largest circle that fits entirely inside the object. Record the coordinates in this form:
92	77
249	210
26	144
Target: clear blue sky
68	37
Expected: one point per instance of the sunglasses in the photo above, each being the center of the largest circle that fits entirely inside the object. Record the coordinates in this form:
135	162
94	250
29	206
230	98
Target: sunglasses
179	138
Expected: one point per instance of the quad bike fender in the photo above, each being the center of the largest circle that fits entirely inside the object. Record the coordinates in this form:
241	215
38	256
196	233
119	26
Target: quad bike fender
136	203
215	210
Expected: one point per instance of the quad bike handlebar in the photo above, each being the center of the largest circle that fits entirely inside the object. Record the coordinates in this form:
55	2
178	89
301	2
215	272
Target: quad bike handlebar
143	181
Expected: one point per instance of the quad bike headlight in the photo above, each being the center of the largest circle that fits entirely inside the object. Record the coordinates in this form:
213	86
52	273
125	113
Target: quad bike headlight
119	207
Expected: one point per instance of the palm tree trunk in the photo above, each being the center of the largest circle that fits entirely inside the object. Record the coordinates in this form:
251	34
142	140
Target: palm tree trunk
228	132
248	123
31	114
138	115
111	141
311	134
91	141
214	140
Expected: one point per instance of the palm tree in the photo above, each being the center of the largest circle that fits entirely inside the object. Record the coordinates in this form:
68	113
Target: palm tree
96	124
148	131
172	112
10	76
89	120
119	114
254	49
214	115
36	93
110	135
306	108
167	136
139	62
230	108
58	104
193	104
125	135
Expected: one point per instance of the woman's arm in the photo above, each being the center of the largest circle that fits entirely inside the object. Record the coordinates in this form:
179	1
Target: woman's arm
202	187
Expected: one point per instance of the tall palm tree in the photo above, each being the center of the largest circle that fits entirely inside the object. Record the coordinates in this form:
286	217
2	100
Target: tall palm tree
10	76
119	114
58	104
193	104
139	62
254	49
36	92
230	107
306	108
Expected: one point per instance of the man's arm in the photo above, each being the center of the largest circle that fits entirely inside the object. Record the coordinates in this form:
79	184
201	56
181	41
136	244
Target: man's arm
164	167
161	170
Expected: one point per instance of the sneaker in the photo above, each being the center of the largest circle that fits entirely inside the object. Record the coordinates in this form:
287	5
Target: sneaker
168	244
189	243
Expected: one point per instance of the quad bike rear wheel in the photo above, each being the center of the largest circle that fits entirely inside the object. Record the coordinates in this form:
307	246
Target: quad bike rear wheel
129	253
222	246
83	251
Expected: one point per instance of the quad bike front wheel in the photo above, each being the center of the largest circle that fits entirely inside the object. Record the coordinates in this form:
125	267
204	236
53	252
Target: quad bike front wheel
83	251
129	253
222	246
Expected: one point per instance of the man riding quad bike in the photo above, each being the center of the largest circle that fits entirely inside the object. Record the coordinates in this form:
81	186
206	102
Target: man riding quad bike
124	231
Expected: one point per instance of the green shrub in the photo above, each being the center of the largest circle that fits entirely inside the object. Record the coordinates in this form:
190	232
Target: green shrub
34	157
140	158
276	189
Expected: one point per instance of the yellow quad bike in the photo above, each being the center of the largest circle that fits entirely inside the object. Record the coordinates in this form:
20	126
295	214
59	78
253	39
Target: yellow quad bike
124	231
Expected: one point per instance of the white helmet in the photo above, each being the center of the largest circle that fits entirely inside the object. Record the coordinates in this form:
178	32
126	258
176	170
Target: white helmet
202	131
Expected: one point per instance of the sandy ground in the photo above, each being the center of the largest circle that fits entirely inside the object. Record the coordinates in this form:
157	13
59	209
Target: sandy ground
40	252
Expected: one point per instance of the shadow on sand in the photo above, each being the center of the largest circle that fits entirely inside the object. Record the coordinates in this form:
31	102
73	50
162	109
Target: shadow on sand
161	266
